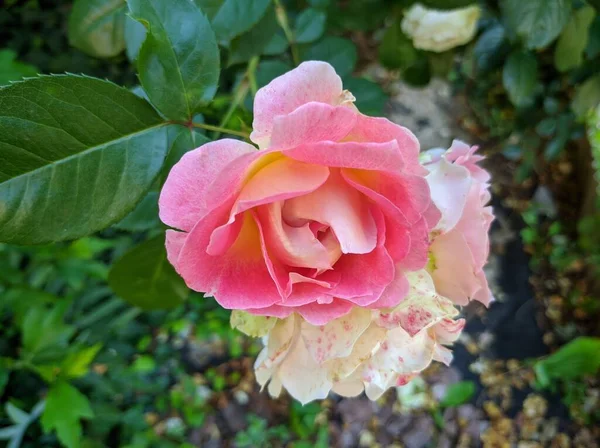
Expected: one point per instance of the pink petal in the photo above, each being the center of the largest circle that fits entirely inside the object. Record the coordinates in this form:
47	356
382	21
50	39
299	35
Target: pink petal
367	156
394	293
314	313
340	207
183	199
281	179
311	123
310	81
449	186
462	154
174	241
380	130
237	279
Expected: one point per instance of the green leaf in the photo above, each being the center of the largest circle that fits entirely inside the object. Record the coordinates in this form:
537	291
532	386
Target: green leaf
489	46
563	131
143	217
144	278
396	49
579	357
238	16
458	393
97	27
546	127
13	70
339	52
572	42
277	44
135	34
447	4
310	25
520	78
536	22
587	96
178	62
65	407
370	97
419	73
42	328
76	155
184	141
267	71
255	41
4	377
77	364
209	7
593	47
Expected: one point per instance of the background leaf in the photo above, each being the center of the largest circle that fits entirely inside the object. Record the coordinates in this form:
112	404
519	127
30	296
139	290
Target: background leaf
458	393
536	22
178	62
310	25
144	278
370	97
572	42
97	27
587	96
143	217
135	34
13	70
65	407
238	16
489	49
396	49
520	78
75	157
579	357
339	52
255	41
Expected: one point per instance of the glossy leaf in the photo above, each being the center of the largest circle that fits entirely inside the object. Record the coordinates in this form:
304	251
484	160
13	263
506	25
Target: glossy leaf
520	78
238	16
135	34
143	217
76	155
255	41
396	49
310	25
65	407
144	278
339	52
536	22
568	53
209	7
178	63
97	27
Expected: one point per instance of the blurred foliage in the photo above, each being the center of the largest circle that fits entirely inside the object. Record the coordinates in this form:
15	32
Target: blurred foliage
79	366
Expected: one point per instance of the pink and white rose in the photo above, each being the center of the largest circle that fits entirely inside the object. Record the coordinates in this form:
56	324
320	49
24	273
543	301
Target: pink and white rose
460	241
365	350
329	214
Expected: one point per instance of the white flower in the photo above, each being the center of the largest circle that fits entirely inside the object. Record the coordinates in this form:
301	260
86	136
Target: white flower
365	350
438	31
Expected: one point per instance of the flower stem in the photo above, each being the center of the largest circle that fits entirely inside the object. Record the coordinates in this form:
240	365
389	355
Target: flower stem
251	74
283	21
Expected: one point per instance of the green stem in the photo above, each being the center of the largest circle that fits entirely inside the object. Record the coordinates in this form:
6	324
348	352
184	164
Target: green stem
251	74
283	21
238	96
210	127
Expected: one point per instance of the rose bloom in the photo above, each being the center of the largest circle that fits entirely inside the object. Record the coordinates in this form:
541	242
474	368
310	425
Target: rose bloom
365	350
331	213
438	31
460	190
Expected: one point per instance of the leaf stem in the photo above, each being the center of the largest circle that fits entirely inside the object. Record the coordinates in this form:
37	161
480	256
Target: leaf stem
210	127
282	19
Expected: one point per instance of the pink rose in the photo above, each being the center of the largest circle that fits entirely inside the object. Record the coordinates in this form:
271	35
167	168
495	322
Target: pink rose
329	214
460	245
